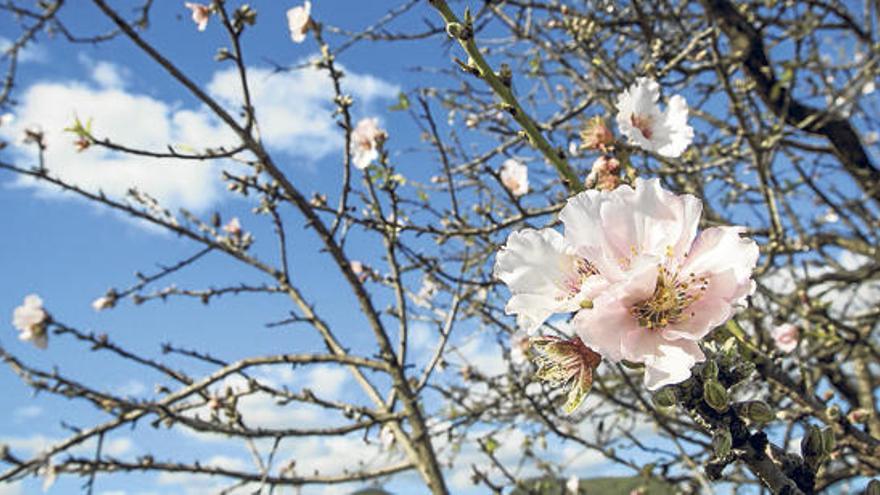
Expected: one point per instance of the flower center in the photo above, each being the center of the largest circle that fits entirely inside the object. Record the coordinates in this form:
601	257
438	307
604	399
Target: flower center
572	284
669	303
643	124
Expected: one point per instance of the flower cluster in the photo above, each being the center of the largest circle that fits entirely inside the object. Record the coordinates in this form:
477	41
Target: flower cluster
644	286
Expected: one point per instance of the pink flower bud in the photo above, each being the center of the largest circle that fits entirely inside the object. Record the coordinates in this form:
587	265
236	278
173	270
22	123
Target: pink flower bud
786	337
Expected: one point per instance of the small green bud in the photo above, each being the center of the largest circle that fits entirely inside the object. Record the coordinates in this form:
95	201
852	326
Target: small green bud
722	441
454	30
833	412
710	370
828	441
756	411
873	488
716	395
665	397
811	446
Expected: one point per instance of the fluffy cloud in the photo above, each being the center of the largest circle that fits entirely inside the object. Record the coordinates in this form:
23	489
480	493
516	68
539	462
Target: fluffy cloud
295	108
295	112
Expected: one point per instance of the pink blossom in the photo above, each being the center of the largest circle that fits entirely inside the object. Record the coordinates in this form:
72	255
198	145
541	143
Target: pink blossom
545	275
639	119
786	337
515	177
604	174
644	286
233	227
366	139
31	319
298	21
201	13
668	287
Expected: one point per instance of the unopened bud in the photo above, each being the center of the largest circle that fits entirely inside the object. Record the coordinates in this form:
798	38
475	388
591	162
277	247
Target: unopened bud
716	395
454	30
858	416
833	413
665	397
873	488
811	446
756	411
828	441
722	441
710	371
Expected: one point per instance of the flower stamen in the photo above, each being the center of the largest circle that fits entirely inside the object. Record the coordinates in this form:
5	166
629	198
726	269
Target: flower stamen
671	298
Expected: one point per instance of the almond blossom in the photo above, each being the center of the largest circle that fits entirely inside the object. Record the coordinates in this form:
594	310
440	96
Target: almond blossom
515	177
668	287
644	286
366	140
31	319
785	337
233	227
299	20
201	13
639	119
545	275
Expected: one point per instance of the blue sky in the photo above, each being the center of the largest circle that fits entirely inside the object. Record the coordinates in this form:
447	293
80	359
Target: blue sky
70	252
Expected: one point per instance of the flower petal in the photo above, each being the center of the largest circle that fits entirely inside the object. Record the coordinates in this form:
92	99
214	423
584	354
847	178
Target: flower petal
671	363
535	266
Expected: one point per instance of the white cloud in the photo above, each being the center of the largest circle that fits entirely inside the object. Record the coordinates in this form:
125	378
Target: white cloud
11	489
327	381
109	75
35	444
31	52
131	388
131	119
295	111
295	108
27	412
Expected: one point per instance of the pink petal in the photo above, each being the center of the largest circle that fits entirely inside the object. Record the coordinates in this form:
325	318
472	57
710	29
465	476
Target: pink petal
721	250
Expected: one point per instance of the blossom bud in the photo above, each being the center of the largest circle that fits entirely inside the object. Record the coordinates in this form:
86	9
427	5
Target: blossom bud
833	412
665	397
710	371
722	441
873	488
756	411
828	441
859	416
812	446
716	395
454	30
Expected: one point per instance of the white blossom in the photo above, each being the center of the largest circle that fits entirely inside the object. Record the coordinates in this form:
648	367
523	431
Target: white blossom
298	20
639	119
31	319
515	177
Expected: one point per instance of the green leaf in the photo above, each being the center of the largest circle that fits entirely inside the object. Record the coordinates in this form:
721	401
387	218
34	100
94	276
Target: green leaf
402	103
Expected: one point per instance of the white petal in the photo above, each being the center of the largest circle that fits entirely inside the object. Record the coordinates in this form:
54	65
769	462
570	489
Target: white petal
672	363
679	134
535	265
